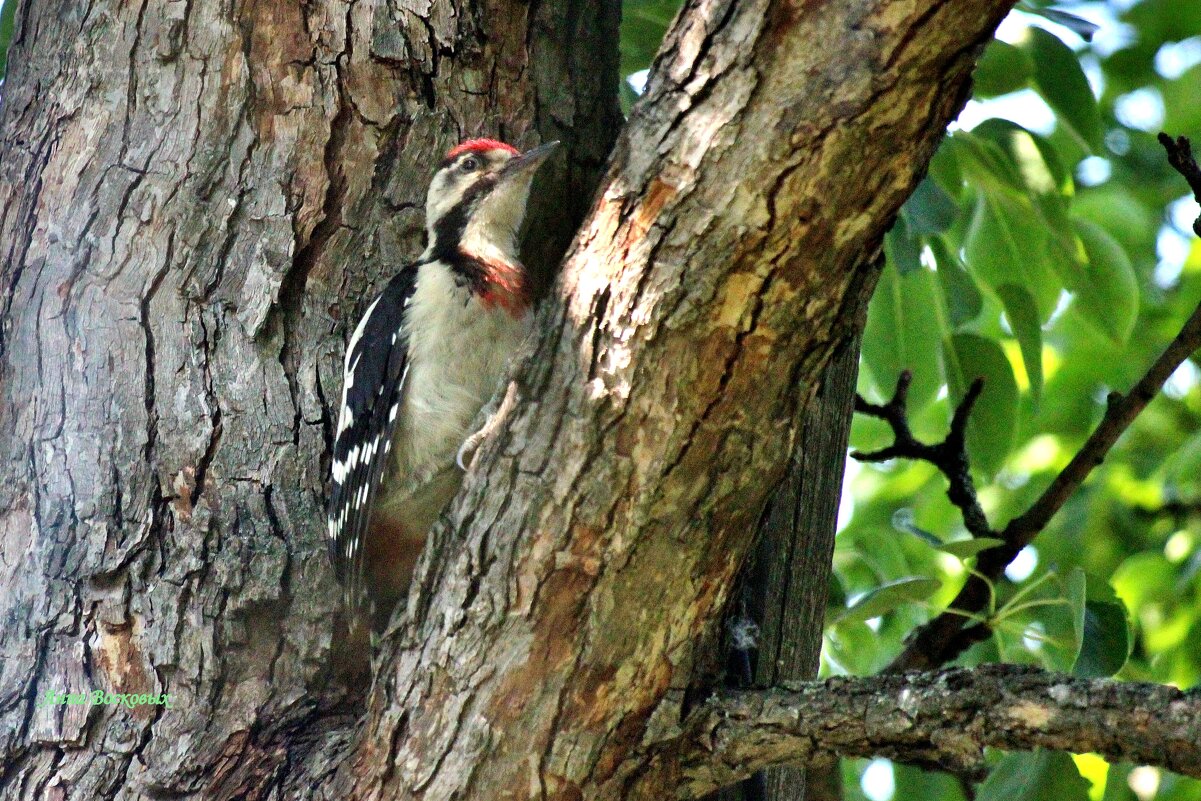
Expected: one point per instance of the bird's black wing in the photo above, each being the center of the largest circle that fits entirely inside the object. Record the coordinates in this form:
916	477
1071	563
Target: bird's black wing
373	381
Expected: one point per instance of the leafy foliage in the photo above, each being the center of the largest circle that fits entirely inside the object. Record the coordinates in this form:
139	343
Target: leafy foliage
8	16
1041	776
1049	252
1070	256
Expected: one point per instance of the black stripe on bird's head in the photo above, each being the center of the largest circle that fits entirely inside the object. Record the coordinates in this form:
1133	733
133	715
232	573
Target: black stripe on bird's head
477	199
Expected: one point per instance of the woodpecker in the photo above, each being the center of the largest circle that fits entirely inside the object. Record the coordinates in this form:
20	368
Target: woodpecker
427	355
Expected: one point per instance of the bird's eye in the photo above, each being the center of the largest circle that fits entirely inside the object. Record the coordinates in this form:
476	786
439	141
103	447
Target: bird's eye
468	164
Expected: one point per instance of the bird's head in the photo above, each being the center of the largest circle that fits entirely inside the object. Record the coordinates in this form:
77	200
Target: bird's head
476	201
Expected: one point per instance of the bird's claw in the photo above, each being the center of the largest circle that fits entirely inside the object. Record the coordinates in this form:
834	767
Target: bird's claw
468	448
492	414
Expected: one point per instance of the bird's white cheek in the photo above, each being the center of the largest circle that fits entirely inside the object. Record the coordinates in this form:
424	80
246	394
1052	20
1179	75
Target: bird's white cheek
443	195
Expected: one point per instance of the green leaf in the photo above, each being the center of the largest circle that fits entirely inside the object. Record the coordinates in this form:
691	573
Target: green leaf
966	549
1038	165
991	428
959	291
1183	466
984	163
836	596
1077	595
1106	645
1106	290
1061	82
915	784
880	549
1143	578
1117	783
1006	244
903	520
1037	776
1164	20
1023	319
1116	208
1046	188
1077	25
1101	628
902	334
1182	112
8	15
854	646
929	209
1067	622
643	25
902	249
887	597
944	170
1002	69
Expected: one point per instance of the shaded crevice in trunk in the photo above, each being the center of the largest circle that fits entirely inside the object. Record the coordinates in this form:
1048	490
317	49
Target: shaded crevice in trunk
793	559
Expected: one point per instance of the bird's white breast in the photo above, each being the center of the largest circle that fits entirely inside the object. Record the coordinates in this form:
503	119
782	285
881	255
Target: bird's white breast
458	350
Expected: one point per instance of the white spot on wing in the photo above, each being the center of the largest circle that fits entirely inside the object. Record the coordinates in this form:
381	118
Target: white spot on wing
349	376
341	470
358	331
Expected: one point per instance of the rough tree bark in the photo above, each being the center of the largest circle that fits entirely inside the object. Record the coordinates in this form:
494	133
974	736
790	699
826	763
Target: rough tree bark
785	583
597	536
940	719
195	198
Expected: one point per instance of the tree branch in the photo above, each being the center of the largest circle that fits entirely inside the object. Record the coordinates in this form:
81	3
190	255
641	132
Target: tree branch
1180	156
945	637
949	456
943	719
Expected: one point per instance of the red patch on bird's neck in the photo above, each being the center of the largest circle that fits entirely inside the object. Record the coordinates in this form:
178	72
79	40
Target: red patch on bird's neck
480	146
506	286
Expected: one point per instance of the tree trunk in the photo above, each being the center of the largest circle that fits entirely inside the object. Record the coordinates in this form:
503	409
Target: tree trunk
783	588
598	533
793	559
198	197
196	200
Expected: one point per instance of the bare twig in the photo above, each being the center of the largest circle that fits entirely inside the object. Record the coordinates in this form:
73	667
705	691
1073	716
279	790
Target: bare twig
949	456
945	637
943	719
1180	156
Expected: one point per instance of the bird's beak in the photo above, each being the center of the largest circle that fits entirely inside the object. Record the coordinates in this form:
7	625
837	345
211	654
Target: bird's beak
504	208
528	163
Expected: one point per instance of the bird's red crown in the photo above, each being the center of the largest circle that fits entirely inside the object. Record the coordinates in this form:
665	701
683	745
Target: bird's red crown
479	146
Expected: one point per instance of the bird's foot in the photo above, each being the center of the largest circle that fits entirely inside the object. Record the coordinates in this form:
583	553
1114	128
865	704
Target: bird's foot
495	414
